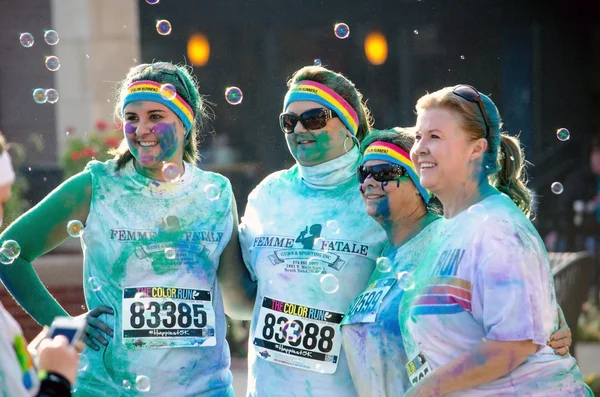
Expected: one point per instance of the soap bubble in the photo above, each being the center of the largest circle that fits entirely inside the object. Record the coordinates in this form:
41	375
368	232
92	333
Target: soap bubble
126	384
314	265
320	244
233	95
462	57
39	95
51	37
556	187
142	383
94	284
26	40
478	210
329	284
317	62
52	63
75	228
152	2
168	91
341	30
212	192
170	253
4	259
384	265
292	331
563	134
51	95
84	363
333	226
415	31
170	172
11	249
406	280
163	27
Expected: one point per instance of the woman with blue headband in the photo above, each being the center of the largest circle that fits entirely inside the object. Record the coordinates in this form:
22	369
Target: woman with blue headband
155	230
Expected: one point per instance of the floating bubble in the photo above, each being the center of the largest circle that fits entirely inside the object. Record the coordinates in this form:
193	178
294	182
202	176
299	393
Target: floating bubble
142	383
170	253
51	37
462	57
333	226
26	40
4	259
556	187
212	192
317	62
11	249
233	95
170	172
341	30
126	384
292	331
163	27
320	244
415	31
94	284
152	2
478	210
406	280
75	228
384	265
319	368
329	284
84	363
563	134
39	95
314	265
51	95
168	91
52	63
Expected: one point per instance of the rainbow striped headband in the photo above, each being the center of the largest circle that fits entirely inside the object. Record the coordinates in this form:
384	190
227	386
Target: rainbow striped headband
385	151
308	90
147	90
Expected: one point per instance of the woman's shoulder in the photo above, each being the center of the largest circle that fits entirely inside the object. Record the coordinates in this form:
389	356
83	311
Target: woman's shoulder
276	181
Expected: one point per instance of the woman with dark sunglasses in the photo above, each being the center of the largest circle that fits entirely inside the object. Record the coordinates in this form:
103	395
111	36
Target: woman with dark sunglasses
483	308
308	243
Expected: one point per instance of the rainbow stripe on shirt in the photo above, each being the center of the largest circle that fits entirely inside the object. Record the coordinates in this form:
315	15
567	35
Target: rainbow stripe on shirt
443	295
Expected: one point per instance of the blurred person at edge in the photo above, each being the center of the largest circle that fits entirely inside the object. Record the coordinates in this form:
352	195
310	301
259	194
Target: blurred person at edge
57	360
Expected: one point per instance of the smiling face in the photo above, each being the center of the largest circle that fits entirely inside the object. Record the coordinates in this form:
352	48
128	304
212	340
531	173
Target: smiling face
154	135
312	147
389	201
442	151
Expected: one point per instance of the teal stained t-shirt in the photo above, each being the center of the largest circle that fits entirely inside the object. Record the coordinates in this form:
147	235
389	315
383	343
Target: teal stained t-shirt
151	252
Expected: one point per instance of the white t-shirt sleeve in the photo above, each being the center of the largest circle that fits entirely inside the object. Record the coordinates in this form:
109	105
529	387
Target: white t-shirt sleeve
511	294
247	230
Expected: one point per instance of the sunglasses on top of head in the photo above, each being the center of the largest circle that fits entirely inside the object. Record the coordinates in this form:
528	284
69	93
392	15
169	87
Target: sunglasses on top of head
312	119
380	172
470	94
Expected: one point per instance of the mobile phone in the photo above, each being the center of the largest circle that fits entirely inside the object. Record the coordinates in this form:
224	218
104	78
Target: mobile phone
72	328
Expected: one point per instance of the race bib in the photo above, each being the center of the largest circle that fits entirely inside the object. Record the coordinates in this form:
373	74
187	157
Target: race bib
298	336
166	317
364	308
417	369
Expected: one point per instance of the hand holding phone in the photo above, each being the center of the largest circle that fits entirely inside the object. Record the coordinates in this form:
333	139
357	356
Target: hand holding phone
72	328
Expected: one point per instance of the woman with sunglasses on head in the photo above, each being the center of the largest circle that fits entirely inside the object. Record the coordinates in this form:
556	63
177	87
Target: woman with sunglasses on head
308	243
152	245
483	308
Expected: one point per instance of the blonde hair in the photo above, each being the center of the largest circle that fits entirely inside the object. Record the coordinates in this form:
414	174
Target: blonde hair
504	160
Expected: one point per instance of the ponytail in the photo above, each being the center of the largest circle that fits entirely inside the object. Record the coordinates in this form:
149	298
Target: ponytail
510	178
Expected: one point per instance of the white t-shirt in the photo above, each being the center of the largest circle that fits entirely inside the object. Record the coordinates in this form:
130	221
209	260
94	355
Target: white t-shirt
18	375
151	253
311	251
372	337
486	275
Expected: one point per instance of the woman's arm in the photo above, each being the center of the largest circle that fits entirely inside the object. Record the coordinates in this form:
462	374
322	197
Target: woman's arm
239	291
489	361
38	231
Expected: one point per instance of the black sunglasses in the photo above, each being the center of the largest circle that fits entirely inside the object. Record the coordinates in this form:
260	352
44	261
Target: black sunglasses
380	172
470	94
312	119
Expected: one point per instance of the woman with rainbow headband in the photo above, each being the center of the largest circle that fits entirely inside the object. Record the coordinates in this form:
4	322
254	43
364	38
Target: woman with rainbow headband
408	213
152	246
483	308
308	243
